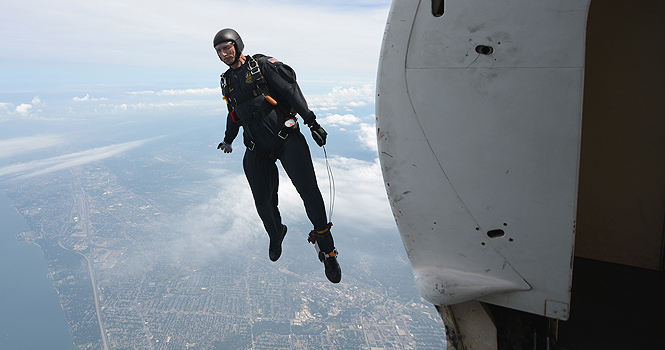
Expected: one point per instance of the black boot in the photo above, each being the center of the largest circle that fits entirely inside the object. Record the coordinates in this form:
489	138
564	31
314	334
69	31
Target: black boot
275	249
325	249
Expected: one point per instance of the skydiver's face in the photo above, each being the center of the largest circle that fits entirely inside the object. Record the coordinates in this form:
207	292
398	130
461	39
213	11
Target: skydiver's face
226	52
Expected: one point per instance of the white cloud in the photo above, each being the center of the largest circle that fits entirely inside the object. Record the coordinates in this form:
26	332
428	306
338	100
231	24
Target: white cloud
340	97
23	110
225	222
162	106
195	100
360	198
171	92
228	221
120	108
367	137
204	91
45	166
337	120
20	145
87	98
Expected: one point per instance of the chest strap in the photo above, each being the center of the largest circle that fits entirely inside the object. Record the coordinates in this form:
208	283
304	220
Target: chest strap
244	97
255	116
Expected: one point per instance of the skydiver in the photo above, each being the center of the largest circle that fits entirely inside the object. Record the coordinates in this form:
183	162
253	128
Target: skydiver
263	97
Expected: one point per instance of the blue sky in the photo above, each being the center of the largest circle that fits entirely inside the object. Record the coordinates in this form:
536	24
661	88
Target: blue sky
77	76
69	44
70	58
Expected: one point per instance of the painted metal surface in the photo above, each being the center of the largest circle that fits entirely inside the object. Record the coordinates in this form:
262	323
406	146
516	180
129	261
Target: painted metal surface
479	122
468	326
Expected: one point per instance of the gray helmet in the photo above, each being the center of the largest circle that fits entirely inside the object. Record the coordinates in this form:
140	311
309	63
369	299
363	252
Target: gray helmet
229	34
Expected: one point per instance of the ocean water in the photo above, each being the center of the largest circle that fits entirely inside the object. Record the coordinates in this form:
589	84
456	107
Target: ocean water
31	317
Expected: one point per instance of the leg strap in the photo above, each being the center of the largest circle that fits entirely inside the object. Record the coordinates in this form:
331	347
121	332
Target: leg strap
323	242
325	230
320	233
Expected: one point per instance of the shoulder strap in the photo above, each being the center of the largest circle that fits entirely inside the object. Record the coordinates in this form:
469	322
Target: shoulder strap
223	81
261	89
255	70
262	84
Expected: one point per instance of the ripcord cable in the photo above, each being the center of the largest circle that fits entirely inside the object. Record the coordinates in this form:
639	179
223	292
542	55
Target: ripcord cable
331	185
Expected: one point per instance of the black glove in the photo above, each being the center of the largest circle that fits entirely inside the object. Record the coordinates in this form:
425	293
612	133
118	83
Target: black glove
318	134
225	147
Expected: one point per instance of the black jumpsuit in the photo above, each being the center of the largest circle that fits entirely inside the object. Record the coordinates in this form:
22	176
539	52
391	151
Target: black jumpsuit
261	171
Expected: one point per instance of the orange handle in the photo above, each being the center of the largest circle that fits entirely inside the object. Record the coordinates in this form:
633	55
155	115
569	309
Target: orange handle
271	100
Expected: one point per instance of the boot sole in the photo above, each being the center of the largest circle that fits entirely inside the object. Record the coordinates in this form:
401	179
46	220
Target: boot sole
270	251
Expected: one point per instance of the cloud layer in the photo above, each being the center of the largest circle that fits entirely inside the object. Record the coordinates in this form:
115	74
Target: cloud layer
49	165
227	220
21	145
